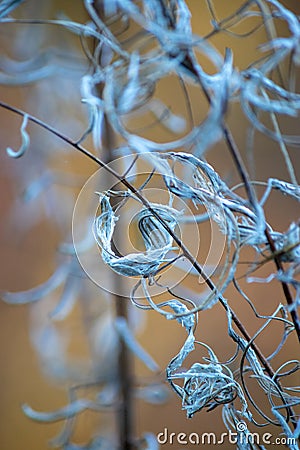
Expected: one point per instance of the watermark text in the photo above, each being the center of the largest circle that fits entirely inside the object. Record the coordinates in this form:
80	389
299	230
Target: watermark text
193	438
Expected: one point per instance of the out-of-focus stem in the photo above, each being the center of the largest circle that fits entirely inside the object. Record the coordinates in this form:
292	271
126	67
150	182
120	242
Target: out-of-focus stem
125	361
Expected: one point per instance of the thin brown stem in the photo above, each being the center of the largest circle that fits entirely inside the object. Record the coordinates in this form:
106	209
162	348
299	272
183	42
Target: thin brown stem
145	202
188	64
284	285
252	198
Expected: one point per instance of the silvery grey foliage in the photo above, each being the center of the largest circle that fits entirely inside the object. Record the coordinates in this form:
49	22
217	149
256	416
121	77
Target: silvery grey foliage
117	80
7	6
157	240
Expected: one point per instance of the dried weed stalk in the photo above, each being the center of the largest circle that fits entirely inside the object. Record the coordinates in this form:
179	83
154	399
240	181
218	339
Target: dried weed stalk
127	49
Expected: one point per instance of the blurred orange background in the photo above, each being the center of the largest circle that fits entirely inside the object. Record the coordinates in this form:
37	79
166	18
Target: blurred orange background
28	256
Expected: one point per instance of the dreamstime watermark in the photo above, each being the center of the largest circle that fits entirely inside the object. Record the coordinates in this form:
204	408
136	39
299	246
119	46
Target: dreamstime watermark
241	436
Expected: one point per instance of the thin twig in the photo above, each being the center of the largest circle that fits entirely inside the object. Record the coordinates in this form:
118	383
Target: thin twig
145	202
252	198
188	64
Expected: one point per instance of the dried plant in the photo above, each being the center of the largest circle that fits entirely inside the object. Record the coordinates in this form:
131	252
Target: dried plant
154	176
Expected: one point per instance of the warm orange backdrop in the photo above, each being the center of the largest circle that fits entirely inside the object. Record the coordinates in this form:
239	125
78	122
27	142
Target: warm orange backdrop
27	258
